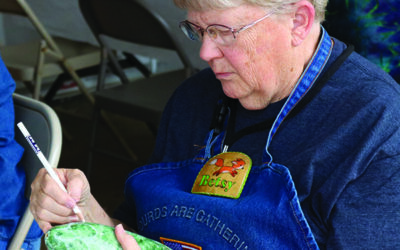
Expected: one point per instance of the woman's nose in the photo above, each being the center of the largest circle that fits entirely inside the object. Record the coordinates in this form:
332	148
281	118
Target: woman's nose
209	49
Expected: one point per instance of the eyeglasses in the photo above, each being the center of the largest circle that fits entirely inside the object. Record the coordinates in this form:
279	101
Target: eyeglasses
221	34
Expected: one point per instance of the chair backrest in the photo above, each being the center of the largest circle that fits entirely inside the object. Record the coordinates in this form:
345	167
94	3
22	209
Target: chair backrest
44	126
21	7
130	21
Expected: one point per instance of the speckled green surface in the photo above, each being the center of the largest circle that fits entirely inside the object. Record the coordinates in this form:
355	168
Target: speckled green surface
91	236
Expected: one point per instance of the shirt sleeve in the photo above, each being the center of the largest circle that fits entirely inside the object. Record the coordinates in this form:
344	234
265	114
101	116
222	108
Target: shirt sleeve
12	176
367	214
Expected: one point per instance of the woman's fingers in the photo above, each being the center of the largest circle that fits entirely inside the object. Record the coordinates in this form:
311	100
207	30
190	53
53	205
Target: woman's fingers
46	218
52	205
44	186
127	241
78	186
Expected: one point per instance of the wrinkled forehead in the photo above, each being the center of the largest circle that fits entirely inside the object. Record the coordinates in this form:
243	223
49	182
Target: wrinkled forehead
203	5
280	6
225	16
206	5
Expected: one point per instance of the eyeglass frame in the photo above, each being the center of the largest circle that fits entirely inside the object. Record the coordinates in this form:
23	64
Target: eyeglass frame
232	30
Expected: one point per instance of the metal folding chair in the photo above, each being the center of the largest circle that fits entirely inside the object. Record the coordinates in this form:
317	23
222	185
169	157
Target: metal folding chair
132	22
31	62
44	126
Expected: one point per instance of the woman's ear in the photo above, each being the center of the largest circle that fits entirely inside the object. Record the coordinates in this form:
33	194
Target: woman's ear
303	20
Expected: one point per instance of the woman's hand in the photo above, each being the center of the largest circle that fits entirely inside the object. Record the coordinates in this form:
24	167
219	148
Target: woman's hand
51	205
127	241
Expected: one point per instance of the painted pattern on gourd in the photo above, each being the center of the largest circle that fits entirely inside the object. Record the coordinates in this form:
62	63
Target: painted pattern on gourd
91	236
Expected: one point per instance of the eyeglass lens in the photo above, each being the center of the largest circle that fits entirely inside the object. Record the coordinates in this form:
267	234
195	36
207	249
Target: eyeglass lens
218	33
192	32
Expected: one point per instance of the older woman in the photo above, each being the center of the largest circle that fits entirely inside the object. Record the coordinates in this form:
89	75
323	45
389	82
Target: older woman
288	141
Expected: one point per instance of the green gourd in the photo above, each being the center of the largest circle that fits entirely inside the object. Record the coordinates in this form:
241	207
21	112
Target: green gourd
87	235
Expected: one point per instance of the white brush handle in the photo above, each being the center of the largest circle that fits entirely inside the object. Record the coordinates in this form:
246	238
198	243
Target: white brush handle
44	161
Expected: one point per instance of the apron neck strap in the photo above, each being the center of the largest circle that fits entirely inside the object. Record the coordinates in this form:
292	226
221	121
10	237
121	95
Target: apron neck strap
321	81
294	103
303	85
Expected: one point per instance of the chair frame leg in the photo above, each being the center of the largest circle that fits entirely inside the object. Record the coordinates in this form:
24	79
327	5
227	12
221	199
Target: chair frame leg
23	227
39	70
97	113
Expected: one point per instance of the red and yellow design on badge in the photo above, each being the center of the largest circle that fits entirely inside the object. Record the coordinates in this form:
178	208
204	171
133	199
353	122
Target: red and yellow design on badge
223	175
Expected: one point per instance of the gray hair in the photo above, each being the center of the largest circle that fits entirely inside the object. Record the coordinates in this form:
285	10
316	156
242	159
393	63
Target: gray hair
281	6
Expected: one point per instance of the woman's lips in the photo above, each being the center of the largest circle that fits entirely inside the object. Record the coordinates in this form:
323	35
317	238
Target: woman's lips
223	75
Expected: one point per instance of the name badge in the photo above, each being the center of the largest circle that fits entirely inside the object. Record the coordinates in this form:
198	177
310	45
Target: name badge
223	175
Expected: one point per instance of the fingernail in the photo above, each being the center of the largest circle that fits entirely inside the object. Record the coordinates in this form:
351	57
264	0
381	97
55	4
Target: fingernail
73	218
70	204
119	227
47	228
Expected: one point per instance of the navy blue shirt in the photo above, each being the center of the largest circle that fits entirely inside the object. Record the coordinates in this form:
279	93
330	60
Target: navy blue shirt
342	149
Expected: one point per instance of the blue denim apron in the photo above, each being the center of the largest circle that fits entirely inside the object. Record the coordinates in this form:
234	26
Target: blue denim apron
267	215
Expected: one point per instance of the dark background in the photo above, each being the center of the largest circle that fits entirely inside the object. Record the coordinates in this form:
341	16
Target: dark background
108	173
